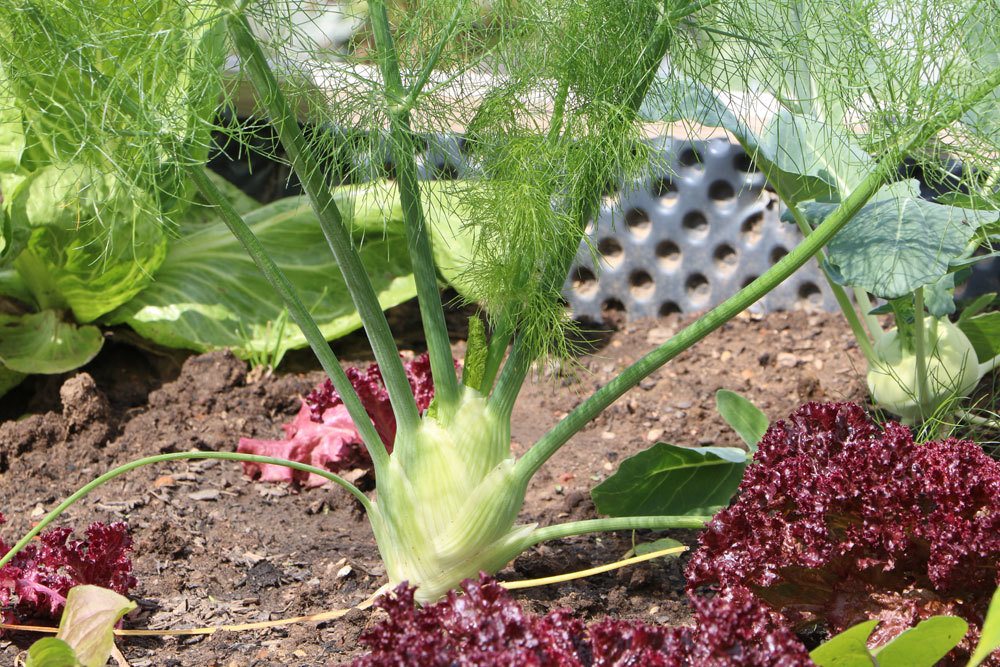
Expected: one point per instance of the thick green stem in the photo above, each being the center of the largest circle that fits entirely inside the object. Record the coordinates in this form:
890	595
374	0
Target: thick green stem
417	235
715	318
920	346
299	313
509	386
846	307
337	234
177	456
617	523
550	443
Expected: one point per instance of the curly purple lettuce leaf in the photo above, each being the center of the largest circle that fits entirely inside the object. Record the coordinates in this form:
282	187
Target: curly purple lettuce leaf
323	434
841	521
34	584
484	627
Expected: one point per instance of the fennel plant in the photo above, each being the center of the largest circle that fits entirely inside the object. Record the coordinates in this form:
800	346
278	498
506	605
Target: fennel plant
553	98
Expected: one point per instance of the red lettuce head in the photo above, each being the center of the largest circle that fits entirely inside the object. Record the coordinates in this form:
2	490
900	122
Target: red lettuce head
841	521
484	627
34	584
323	433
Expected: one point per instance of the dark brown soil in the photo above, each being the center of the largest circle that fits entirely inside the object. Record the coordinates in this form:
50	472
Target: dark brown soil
213	548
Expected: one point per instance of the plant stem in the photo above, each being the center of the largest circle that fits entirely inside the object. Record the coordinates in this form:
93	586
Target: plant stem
498	346
616	523
715	318
337	234
865	305
920	347
509	386
177	456
846	307
417	236
281	284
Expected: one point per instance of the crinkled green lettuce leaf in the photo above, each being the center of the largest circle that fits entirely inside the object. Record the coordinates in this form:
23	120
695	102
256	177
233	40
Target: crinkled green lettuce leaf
43	343
208	294
93	243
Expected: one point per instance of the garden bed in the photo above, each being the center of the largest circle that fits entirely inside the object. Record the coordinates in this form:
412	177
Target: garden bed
212	548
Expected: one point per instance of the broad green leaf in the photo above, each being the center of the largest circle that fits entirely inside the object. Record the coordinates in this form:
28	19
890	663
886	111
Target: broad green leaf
923	645
848	649
88	622
208	293
94	242
51	652
42	343
743	416
989	638
896	244
983	332
671	480
802	157
9	379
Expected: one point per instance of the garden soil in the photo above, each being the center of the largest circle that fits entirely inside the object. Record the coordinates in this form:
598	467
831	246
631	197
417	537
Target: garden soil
213	548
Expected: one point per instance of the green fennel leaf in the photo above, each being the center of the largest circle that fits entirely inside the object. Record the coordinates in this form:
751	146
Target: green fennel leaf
670	480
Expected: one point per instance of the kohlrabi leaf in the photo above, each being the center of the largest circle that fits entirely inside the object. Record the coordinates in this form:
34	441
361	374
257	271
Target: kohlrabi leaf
51	652
898	242
983	331
848	649
989	637
94	241
209	294
743	416
939	296
804	158
88	622
43	343
671	480
923	645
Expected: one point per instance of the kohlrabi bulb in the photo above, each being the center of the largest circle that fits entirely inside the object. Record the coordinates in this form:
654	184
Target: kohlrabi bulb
952	371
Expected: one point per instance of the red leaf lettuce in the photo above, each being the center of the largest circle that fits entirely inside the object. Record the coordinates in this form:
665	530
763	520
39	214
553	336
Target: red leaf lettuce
842	521
35	582
486	628
323	434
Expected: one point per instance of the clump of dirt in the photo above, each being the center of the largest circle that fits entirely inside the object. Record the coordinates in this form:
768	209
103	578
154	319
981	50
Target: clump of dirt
213	548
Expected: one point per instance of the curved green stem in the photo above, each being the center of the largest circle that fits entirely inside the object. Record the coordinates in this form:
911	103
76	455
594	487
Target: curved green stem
550	443
177	456
715	318
337	234
616	523
298	311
